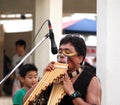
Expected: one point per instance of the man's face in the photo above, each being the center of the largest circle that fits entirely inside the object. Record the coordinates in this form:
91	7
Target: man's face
20	49
68	51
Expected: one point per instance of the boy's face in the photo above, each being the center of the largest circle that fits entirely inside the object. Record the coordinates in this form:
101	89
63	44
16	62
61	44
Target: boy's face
30	79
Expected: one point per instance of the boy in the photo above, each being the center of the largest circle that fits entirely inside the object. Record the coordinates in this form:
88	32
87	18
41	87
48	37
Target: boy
29	77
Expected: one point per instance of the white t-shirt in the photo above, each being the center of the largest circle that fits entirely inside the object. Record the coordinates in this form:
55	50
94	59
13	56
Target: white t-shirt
17	58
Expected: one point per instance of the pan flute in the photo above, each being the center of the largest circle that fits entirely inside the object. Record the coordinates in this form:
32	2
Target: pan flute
48	78
56	95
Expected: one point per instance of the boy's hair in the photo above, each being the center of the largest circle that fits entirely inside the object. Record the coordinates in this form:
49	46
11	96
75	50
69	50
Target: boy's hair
26	68
21	42
77	42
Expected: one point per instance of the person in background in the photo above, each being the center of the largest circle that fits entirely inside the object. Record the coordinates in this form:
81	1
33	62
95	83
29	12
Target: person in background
94	62
7	85
29	77
81	87
20	53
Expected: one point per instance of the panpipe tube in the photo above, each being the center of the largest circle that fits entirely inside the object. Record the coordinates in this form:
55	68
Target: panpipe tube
47	79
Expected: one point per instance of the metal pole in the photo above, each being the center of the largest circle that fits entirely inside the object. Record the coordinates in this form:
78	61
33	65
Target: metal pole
8	75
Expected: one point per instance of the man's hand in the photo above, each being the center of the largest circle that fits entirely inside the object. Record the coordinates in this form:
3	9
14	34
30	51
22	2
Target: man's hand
49	67
67	84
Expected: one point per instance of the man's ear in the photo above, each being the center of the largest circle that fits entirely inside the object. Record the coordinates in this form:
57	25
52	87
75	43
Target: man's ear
80	59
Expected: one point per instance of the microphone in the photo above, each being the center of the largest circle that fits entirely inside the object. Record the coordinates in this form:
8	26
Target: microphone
54	49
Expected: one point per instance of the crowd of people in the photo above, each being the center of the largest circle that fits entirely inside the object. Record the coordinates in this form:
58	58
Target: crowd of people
80	82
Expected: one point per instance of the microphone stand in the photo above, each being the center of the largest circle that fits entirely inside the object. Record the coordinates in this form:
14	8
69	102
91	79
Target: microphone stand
26	56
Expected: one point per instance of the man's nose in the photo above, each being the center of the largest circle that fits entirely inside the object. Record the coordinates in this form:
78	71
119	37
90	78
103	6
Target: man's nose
62	58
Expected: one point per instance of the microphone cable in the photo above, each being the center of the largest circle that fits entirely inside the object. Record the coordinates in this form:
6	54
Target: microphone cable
36	35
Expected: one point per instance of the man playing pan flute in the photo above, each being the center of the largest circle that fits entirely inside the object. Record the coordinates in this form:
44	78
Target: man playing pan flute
81	87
